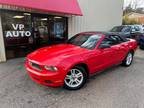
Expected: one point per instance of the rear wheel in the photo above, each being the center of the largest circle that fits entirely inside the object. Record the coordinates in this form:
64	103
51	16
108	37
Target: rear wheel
128	59
76	78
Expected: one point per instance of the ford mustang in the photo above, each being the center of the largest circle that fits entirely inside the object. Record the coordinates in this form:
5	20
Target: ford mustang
70	64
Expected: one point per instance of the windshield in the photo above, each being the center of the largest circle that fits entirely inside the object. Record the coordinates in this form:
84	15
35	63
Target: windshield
121	29
85	40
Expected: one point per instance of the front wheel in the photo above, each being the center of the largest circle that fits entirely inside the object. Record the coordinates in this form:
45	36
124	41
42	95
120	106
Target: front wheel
76	78
128	60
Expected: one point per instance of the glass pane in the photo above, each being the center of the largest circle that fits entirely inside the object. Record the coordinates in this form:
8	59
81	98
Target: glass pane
17	28
17	32
41	31
58	29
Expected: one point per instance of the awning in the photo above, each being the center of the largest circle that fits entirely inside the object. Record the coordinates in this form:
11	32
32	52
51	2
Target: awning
56	6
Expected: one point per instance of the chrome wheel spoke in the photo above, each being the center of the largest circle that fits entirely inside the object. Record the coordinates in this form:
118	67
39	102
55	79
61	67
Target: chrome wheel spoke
71	82
72	72
77	81
79	75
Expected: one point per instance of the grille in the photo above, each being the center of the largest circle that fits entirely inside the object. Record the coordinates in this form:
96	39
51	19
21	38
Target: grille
36	66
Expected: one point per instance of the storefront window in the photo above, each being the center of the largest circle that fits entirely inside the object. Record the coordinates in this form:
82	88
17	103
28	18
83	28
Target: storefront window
17	28
40	30
24	32
17	32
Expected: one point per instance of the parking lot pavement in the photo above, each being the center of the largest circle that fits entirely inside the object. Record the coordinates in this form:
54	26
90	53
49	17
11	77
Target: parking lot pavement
140	53
118	87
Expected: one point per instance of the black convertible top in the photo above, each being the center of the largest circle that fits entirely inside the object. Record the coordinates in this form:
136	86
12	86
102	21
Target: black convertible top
105	33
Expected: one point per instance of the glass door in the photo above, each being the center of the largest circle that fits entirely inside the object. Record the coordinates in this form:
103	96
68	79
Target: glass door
40	31
48	30
58	29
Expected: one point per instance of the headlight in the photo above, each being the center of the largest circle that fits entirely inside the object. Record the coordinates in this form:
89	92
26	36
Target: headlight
51	68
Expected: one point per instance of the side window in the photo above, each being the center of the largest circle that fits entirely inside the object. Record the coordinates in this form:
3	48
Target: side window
106	41
137	28
116	39
111	40
126	29
133	29
119	39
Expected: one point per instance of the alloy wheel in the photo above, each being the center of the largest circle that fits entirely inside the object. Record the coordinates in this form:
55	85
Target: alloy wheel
129	59
74	78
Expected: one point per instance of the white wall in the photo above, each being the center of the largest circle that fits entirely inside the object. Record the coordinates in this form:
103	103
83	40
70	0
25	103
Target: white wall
98	15
2	48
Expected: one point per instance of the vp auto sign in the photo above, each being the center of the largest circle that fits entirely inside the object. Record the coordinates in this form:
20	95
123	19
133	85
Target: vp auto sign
18	31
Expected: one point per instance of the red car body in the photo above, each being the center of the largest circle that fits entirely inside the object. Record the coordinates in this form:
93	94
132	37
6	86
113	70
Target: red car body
66	56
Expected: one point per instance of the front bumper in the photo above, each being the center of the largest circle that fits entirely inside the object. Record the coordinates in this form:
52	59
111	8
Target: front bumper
53	79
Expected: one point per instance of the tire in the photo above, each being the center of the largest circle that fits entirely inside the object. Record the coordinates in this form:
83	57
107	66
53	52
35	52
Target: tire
128	60
75	78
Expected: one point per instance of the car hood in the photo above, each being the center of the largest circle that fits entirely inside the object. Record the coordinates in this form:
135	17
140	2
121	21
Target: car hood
55	53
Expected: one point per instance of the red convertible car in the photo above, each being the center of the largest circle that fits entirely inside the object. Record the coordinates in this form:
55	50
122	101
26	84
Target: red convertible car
71	64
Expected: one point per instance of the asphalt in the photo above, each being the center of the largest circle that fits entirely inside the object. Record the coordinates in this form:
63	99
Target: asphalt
117	87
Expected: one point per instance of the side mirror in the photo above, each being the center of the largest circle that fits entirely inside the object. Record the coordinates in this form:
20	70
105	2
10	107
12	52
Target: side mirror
103	46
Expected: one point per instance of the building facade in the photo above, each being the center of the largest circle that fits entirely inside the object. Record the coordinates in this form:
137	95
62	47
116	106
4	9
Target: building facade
24	28
138	17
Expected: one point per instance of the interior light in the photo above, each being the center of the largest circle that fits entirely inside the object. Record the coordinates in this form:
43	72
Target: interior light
17	16
27	14
57	17
44	19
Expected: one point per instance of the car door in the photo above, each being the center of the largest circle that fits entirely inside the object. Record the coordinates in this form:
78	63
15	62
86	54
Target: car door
115	50
104	57
118	49
121	48
99	58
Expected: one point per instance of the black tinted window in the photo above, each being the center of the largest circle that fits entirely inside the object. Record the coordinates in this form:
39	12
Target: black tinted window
112	40
117	38
137	28
106	41
126	29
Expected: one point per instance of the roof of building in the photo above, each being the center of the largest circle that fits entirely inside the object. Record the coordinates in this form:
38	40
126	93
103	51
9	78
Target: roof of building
134	14
55	6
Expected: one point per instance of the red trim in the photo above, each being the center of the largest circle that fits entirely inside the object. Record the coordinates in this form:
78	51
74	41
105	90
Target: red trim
57	6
